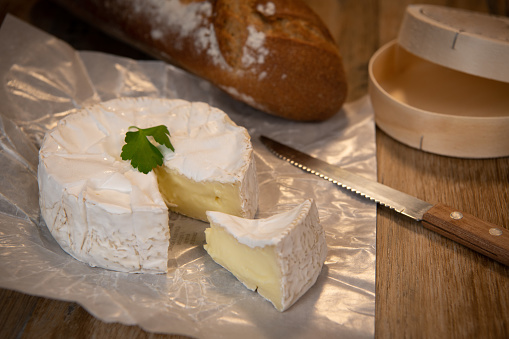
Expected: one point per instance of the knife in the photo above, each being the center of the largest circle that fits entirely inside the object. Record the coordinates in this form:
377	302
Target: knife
468	230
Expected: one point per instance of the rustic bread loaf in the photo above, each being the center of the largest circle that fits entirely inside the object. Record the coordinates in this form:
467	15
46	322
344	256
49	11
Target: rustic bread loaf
276	55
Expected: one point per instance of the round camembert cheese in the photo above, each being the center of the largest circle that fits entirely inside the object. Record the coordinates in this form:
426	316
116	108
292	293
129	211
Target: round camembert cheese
280	257
105	213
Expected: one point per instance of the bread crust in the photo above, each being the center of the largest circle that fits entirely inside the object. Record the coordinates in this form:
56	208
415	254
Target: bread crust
276	55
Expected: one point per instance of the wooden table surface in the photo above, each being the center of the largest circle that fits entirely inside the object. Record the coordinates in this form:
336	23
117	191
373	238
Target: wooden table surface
426	285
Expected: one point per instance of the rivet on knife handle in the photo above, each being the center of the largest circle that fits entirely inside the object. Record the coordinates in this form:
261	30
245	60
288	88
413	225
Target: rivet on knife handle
479	235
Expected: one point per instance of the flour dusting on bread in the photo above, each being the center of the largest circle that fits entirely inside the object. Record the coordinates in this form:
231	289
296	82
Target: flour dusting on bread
275	55
186	21
268	9
254	50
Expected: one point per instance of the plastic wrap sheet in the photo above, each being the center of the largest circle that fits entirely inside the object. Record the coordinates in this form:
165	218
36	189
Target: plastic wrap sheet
43	79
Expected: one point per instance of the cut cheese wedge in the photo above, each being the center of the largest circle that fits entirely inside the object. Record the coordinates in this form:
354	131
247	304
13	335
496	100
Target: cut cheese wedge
280	257
105	213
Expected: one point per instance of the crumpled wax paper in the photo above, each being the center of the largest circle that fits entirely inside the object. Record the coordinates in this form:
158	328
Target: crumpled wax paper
43	79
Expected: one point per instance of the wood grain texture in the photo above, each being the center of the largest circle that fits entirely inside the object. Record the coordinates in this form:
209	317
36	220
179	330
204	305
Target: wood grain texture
25	316
479	235
426	285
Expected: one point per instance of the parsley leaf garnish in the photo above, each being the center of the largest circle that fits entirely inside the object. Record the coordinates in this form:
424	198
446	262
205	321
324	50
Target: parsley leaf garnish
144	155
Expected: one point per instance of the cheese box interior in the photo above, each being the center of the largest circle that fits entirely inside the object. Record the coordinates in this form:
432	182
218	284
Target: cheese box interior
443	85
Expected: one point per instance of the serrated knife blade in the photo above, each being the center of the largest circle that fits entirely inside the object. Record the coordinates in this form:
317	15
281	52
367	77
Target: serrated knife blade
481	236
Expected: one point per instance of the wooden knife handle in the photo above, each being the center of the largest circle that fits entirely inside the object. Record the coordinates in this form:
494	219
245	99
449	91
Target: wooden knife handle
478	235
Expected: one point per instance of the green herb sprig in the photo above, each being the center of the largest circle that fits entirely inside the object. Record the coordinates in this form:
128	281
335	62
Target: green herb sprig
142	153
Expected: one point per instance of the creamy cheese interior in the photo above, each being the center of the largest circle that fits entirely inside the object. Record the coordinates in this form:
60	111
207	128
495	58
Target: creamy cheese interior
257	268
106	213
280	257
193	199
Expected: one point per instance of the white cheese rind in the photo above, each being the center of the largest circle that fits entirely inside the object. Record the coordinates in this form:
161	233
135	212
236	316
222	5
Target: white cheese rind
107	214
299	246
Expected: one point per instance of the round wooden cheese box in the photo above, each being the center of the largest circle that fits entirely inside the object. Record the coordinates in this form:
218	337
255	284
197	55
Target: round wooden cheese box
443	85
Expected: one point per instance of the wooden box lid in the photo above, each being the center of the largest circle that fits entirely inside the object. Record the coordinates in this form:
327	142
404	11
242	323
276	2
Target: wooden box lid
470	42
